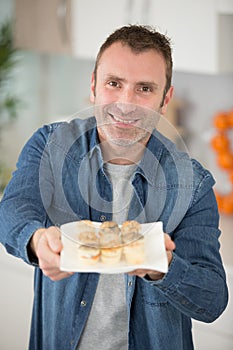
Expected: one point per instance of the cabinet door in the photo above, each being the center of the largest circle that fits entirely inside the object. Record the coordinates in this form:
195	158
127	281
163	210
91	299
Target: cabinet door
43	25
92	21
191	27
77	27
200	35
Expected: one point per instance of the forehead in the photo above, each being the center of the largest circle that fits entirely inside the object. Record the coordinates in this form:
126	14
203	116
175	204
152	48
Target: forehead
120	59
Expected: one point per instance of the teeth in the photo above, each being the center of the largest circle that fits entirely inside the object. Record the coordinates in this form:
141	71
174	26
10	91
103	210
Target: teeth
123	121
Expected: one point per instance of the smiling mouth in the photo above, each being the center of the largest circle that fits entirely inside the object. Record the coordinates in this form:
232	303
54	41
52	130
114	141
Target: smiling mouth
124	121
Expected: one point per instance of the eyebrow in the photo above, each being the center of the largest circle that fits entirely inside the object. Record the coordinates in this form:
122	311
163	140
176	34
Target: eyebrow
114	77
141	83
150	83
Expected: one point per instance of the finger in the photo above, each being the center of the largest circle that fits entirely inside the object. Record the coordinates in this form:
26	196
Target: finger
53	235
48	259
48	252
138	272
61	276
50	267
56	274
154	275
169	244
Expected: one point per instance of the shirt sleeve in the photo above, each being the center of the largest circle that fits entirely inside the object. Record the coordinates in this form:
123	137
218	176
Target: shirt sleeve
196	282
21	210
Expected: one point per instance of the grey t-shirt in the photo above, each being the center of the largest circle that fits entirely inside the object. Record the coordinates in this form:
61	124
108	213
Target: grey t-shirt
107	324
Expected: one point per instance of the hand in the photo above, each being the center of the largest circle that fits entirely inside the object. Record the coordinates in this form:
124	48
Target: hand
156	275
46	245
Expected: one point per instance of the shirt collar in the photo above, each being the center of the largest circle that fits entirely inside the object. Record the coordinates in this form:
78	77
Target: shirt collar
148	165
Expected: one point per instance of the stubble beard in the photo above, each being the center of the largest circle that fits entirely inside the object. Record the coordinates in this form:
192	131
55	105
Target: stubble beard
127	137
123	139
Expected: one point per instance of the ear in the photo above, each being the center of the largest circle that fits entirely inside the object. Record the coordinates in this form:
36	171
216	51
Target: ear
92	95
167	99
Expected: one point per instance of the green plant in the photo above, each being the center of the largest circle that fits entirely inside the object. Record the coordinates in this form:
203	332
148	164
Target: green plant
8	102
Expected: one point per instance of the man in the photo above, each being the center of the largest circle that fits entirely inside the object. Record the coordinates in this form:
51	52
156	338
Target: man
71	171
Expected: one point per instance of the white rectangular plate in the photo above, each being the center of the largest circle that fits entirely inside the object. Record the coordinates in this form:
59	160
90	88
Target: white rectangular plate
155	252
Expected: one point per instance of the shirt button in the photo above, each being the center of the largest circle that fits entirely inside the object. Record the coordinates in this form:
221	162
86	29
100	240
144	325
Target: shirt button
83	303
102	218
130	283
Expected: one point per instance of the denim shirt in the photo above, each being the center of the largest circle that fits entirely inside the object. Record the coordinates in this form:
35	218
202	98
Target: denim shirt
60	178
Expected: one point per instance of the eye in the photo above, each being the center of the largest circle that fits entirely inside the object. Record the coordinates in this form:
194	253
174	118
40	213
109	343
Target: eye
113	83
145	88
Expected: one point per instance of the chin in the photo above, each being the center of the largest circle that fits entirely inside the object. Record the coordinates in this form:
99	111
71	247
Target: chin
127	140
123	142
123	138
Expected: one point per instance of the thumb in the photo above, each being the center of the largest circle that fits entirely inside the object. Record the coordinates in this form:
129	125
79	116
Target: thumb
54	240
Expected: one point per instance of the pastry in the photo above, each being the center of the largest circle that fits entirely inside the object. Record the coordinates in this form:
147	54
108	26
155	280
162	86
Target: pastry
110	240
109	227
85	225
134	253
88	238
88	255
110	243
130	231
111	256
109	235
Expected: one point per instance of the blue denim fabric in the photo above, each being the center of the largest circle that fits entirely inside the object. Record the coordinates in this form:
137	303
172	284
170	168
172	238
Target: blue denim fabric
60	178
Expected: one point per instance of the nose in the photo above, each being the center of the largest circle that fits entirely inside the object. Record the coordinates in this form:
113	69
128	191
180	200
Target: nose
127	101
126	108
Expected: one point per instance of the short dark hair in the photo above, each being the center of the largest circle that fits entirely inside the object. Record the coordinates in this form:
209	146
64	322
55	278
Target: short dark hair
141	38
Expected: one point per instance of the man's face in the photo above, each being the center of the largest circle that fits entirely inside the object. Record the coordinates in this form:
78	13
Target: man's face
128	93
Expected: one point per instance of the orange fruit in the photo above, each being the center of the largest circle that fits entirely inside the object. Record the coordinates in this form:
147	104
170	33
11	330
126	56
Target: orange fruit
221	121
220	142
225	160
227	204
230	118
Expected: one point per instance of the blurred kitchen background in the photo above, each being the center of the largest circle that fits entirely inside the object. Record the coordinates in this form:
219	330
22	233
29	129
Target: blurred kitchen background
56	42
